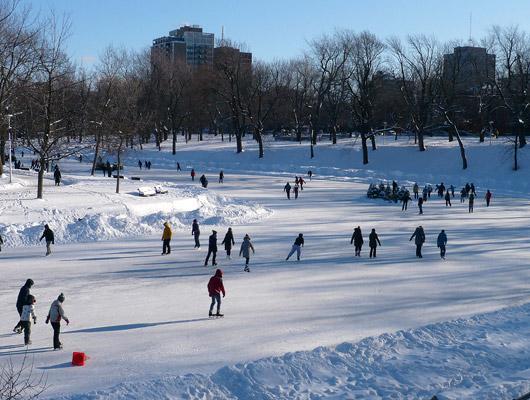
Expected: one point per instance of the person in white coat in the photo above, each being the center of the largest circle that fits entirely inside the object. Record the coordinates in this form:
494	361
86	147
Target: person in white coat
28	313
55	315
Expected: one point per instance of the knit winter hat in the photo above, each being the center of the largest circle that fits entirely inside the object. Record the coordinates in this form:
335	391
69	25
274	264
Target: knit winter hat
61	298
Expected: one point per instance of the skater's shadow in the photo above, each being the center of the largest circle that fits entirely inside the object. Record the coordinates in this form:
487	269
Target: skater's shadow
57	366
113	328
11	346
26	351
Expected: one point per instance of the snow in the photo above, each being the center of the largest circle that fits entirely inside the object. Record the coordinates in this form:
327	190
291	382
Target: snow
141	316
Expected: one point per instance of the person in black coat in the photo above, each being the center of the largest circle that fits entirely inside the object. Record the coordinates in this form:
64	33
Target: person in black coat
196	232
228	241
48	235
212	248
109	169
287	189
447	199
419	239
373	241
21	301
57	176
357	240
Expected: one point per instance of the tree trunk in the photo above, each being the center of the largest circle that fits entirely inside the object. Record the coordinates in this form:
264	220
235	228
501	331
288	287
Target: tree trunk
96	153
515	165
334	135
2	152
118	169
40	178
239	142
259	138
421	145
365	148
174	133
522	138
372	139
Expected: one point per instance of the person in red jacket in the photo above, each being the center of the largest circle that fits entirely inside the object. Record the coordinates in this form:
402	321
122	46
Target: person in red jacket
215	288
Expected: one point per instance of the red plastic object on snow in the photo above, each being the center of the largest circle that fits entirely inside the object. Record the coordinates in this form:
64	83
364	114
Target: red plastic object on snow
78	358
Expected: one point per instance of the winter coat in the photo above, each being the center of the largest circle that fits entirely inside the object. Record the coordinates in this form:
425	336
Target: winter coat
447	195
215	285
357	237
471	198
57	312
28	311
22	296
246	246
57	174
373	239
488	197
166	235
228	241
420	201
287	188
1	240
419	236
195	229
48	234
442	239
212	242
299	241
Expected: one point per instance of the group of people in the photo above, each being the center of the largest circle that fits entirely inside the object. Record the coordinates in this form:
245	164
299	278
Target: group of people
298	186
26	310
146	164
203	179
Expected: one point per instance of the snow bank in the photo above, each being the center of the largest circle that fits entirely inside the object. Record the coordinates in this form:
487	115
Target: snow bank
136	217
483	357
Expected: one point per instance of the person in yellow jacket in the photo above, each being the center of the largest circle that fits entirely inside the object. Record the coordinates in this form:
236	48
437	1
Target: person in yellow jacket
166	238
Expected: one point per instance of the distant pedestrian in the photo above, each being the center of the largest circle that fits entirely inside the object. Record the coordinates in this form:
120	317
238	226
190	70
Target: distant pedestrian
55	315
204	181
429	190
28	313
405	200
487	197
50	239
447	199
228	241
192	174
471	202
104	169
394	187
146	164
196	232
215	288
295	190
140	164
415	190
149	165
420	205
221	177
23	294
301	182
452	190
310	174
297	247
246	246
441	242
178	167
425	193
419	239
357	241
166	239
463	195
57	176
212	248
472	187
287	189
109	169
373	241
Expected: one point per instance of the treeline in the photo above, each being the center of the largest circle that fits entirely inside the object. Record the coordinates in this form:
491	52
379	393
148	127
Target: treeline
343	82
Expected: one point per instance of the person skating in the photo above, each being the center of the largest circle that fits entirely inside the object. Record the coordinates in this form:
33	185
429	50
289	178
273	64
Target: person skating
425	193
441	243
196	232
373	241
297	247
178	167
204	181
447	199
221	177
310	174
295	190
405	201
394	187
468	188
415	190
166	239
55	315
357	241
246	246
109	169
419	239
28	313
429	190
23	294
48	235
301	182
487	197
287	189
463	195
420	205
192	173
228	241
57	176
215	288
471	201
452	190
472	188
212	248
140	164
1	242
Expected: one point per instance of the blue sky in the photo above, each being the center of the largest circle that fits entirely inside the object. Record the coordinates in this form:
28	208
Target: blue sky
274	29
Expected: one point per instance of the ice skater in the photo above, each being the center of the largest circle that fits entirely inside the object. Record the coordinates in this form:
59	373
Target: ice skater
228	241
23	294
215	288
196	232
357	241
212	248
55	315
297	247
50	239
419	239
447	199
373	241
166	239
441	242
287	189
471	202
246	246
487	197
28	313
221	177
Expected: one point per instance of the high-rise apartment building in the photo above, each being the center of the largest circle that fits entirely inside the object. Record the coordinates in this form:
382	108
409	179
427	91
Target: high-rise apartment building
470	68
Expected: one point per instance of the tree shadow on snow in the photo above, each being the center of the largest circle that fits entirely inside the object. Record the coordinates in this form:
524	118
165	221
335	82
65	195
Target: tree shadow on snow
57	366
113	328
26	351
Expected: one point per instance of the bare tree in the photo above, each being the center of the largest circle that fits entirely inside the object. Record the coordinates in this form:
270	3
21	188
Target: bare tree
18	382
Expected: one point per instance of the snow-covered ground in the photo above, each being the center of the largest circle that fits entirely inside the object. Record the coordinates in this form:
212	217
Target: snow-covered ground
141	317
